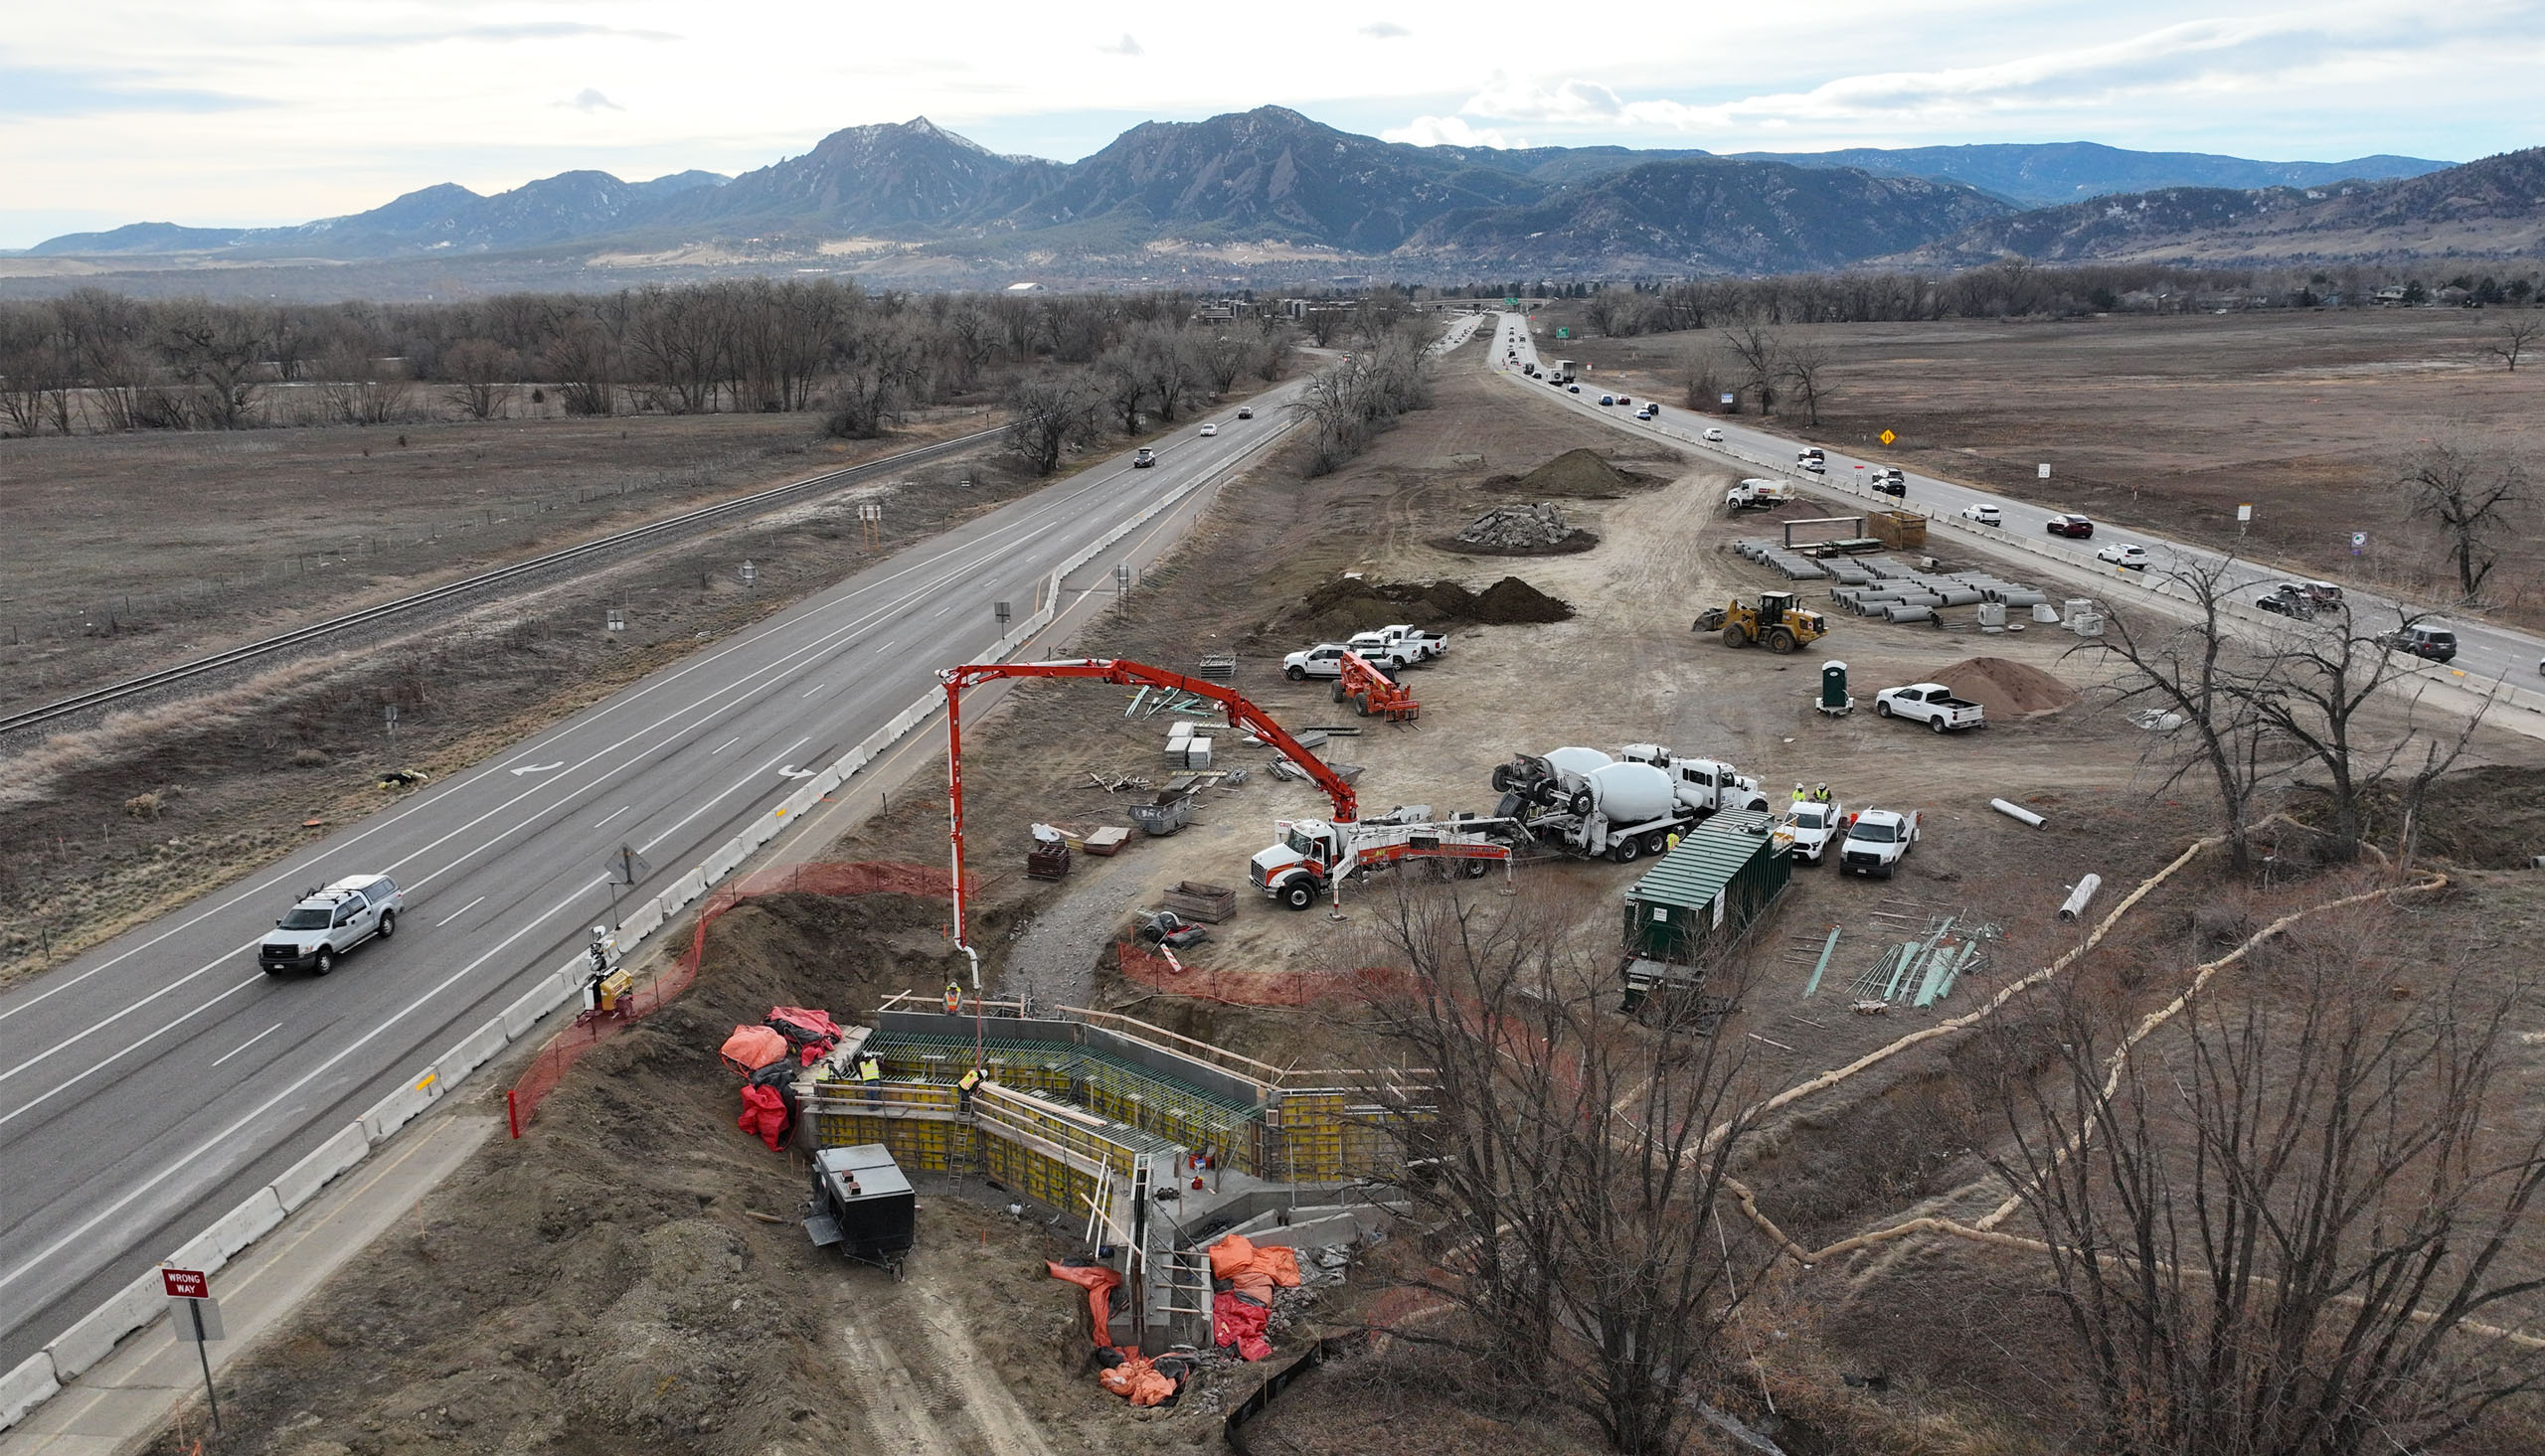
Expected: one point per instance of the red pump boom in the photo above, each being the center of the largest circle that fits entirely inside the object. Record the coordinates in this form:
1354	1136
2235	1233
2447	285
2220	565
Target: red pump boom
1241	715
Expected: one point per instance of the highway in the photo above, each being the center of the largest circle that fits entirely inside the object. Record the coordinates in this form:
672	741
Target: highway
152	1083
2485	653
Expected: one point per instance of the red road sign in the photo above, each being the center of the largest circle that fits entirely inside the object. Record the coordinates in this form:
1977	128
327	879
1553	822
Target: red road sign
186	1283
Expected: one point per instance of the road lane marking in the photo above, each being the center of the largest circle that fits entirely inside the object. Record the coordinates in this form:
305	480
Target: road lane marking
170	1168
817	687
721	747
612	814
710	804
101	1063
464	909
537	768
1034	523
251	1041
986	552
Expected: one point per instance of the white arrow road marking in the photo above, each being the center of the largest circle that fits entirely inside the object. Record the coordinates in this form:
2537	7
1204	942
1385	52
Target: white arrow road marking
537	767
792	771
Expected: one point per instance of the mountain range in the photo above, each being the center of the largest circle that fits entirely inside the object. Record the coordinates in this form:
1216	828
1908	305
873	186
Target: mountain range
1271	184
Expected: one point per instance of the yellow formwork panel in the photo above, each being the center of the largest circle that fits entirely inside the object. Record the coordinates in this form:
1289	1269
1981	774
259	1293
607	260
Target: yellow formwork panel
1038	1176
932	1146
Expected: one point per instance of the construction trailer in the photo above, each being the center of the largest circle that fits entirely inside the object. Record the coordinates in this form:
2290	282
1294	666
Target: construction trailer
1108	1123
1718	881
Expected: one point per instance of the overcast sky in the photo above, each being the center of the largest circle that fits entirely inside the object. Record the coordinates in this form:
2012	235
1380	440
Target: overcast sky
237	112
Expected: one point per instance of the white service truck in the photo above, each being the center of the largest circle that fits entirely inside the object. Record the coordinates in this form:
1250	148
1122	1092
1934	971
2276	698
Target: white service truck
1756	493
1877	841
1425	645
1931	704
1325	660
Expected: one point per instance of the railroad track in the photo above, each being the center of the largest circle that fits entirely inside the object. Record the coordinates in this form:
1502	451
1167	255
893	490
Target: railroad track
301	637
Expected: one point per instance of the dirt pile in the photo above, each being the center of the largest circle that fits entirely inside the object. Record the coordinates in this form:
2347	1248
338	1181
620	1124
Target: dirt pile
1350	605
1581	475
1522	531
2007	688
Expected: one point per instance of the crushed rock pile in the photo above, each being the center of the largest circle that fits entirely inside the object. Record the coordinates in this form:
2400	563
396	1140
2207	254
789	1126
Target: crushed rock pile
1518	528
1579	474
2007	688
1350	605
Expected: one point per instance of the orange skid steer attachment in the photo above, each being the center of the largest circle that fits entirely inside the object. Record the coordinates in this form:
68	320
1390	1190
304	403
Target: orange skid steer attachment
1371	693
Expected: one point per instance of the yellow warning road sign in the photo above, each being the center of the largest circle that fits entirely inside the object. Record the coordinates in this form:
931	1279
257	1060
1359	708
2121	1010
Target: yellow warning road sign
1887	437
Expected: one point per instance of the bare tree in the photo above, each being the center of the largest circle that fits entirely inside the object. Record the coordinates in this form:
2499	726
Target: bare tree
2510	338
2321	680
1807	368
480	373
2291	1222
1701	373
1047	414
1757	358
2470	494
1562	1151
362	389
218	352
2195	673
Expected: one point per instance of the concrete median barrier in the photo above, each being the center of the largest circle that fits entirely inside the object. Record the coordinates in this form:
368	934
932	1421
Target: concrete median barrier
399	1108
23	1389
687	887
231	1232
649	918
90	1340
301	1181
474	1052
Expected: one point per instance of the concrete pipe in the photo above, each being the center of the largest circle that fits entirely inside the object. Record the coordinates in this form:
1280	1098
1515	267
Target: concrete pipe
2016	811
2075	905
1959	596
1909	612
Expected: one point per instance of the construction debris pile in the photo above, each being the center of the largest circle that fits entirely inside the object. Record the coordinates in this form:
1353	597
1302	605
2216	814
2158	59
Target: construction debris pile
1581	475
1541	527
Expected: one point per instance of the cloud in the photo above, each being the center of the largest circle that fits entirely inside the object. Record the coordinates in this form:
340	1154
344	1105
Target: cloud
1126	47
588	100
2193	58
1433	131
1384	30
532	30
28	92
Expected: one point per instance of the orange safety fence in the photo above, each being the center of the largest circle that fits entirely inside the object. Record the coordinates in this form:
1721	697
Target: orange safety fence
1147	967
590	1030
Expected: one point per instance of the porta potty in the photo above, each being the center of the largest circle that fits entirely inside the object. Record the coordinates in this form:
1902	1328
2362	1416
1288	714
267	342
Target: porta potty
1833	689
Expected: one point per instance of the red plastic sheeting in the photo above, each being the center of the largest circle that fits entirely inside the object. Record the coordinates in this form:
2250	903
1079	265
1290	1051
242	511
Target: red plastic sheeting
763	1116
752	1048
1240	1321
1100	1283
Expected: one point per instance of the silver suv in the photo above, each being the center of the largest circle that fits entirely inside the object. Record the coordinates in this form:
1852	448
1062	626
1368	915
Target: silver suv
328	922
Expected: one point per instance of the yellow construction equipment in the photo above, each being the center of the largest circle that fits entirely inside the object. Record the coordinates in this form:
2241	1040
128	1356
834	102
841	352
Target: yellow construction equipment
1773	619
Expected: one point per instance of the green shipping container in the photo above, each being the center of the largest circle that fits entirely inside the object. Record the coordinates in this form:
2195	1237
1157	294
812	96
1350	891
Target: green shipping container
1719	878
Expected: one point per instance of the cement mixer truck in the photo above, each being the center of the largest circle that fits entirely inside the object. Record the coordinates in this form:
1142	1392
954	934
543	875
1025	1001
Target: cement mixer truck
1583	802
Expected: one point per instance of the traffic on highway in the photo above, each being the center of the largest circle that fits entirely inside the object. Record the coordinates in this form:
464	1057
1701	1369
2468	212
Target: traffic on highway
2485	653
150	1084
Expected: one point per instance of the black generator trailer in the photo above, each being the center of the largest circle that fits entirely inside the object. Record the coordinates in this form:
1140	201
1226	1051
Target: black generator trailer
863	1203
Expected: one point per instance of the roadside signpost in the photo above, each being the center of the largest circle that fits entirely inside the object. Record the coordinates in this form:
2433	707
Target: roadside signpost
197	1317
2358	542
2244	518
1886	437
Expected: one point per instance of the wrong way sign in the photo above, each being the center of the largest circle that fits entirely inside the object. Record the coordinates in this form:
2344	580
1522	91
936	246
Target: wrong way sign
186	1283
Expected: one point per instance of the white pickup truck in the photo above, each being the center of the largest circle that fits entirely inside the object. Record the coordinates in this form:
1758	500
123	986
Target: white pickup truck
1756	492
1877	841
1325	660
1812	828
1411	644
328	922
1931	704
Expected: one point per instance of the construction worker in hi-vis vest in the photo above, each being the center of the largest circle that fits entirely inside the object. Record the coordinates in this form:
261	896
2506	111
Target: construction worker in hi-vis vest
953	998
